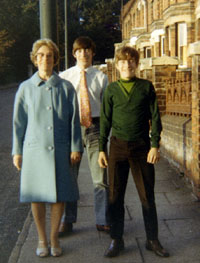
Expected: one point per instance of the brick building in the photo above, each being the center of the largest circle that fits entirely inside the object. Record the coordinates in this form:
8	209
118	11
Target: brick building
167	35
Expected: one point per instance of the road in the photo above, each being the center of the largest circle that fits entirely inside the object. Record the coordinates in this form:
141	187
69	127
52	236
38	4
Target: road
12	213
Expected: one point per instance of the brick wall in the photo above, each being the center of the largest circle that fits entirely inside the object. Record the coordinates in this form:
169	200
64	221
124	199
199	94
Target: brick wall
160	74
196	122
176	142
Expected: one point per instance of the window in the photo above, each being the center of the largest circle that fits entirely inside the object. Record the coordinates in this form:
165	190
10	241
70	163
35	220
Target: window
147	52
133	20
152	11
169	38
162	45
168	41
182	43
198	29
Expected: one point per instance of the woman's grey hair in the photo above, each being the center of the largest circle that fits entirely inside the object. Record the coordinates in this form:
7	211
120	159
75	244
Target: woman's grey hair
44	42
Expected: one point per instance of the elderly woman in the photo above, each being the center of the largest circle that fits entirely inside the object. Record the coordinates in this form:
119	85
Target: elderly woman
46	138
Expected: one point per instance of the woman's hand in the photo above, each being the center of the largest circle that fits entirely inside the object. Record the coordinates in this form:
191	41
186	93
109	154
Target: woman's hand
153	156
103	160
75	157
17	161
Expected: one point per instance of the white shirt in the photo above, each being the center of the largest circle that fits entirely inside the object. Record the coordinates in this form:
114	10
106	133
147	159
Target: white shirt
97	81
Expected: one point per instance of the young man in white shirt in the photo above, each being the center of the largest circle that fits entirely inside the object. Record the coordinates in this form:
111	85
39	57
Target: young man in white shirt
97	81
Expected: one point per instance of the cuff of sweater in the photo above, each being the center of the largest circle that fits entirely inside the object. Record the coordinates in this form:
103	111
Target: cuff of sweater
155	145
102	148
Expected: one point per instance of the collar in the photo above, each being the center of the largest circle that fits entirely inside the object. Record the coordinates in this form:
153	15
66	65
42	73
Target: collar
128	81
53	80
88	70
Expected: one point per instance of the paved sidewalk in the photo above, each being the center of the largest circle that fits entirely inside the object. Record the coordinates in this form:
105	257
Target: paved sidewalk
179	226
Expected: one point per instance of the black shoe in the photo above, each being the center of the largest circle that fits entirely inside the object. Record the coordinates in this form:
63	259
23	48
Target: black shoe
65	229
154	245
115	247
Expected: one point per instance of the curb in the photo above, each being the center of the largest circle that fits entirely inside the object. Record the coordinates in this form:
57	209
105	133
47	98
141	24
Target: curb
21	239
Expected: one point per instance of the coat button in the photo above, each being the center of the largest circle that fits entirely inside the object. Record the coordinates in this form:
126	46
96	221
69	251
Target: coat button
50	148
48	88
49	127
48	108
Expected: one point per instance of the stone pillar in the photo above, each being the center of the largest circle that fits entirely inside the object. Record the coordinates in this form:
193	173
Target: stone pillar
141	53
190	32
194	52
142	16
167	41
198	30
152	51
157	48
110	69
190	39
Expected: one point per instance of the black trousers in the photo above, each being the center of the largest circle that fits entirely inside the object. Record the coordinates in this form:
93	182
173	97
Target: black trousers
122	157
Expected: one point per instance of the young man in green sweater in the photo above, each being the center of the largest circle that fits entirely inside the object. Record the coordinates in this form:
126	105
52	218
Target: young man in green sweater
130	108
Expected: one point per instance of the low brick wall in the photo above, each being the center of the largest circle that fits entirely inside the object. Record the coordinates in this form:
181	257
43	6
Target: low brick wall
176	142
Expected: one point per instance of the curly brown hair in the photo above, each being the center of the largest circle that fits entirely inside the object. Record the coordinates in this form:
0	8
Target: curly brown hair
125	53
44	42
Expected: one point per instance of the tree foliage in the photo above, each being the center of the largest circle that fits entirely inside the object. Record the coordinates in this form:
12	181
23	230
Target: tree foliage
5	43
98	19
19	28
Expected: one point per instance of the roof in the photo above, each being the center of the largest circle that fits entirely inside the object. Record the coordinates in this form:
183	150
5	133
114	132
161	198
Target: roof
127	7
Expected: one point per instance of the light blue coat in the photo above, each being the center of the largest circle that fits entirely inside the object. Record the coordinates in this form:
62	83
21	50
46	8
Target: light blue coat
46	129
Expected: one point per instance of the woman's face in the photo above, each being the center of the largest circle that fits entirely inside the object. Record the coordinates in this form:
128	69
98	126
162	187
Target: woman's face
45	60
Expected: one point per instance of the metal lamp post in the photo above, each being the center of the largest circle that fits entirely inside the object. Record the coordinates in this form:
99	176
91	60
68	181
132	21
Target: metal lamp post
48	19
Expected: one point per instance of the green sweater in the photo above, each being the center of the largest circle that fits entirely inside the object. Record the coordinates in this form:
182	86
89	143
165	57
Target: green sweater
129	115
126	85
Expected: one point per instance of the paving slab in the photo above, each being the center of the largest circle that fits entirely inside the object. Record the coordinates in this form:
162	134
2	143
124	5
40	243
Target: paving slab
178	218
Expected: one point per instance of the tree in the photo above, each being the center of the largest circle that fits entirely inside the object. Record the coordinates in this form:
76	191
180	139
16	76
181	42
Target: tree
19	28
102	24
98	19
19	22
5	43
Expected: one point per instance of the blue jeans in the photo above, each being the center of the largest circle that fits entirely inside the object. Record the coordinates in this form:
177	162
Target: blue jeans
90	138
